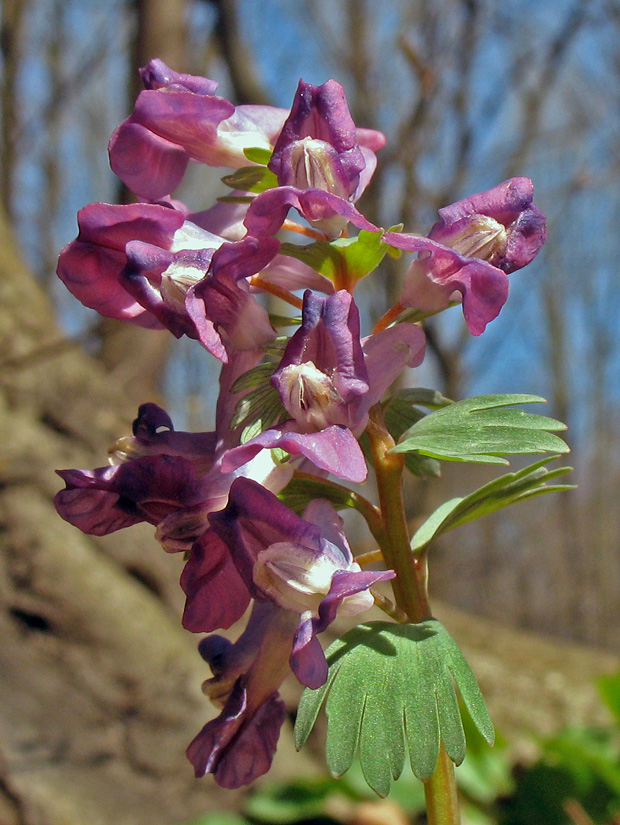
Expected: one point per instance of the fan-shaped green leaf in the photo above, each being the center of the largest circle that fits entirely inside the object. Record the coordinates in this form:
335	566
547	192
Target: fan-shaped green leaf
391	688
481	429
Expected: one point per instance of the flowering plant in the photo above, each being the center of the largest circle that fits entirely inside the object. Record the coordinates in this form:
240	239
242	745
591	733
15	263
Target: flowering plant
255	504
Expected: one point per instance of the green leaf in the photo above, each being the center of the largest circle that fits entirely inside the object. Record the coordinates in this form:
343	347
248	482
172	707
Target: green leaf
501	492
609	688
391	688
345	259
251	179
258	155
401	412
298	493
481	429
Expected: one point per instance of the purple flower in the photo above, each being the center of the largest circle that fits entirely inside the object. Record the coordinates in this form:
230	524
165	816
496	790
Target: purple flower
319	146
238	746
324	210
470	250
328	377
501	226
303	565
178	119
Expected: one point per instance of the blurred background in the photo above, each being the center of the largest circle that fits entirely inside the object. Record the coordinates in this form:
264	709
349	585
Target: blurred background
99	687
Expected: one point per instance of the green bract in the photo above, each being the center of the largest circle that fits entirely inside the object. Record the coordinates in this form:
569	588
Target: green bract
344	258
481	429
251	179
391	688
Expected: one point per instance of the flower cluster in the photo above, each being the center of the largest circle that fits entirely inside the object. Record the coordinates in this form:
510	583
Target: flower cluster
288	406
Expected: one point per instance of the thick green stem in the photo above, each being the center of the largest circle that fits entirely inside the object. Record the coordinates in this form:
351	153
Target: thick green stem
442	802
410	591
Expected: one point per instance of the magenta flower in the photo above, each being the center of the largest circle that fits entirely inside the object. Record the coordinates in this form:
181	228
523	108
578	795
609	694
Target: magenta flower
327	212
177	119
319	146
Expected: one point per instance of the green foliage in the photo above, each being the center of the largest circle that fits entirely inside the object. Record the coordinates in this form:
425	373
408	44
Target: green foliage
298	493
508	489
348	259
258	155
251	179
401	411
391	687
482	429
261	406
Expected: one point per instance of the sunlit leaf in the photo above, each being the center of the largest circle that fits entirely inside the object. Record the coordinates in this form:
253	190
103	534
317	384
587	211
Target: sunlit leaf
258	155
391	690
345	259
251	179
401	411
482	429
501	492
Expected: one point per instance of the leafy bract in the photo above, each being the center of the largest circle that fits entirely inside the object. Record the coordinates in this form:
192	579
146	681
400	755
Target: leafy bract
508	489
251	179
298	493
482	429
257	154
261	406
343	260
391	688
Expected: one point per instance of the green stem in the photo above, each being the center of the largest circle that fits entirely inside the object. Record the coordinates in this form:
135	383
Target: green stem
442	802
410	587
410	591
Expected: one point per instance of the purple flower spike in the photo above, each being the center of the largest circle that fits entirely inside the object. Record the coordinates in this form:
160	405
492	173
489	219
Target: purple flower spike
501	226
178	119
318	146
322	377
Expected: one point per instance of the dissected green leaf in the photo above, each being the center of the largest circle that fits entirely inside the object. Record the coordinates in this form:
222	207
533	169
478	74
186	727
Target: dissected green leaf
251	179
258	155
508	489
401	412
347	259
391	689
255	377
482	429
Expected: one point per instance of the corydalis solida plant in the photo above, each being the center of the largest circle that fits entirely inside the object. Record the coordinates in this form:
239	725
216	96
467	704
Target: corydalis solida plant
254	504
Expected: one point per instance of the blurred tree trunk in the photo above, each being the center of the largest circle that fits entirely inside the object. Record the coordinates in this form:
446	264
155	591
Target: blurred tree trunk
137	357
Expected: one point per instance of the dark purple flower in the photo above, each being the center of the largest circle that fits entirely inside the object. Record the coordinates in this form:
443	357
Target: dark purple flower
238	746
178	119
304	565
319	146
107	499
